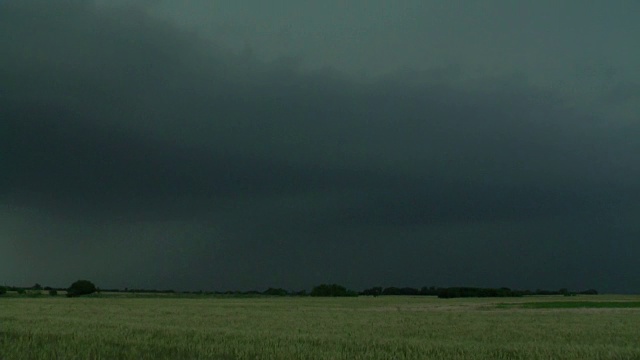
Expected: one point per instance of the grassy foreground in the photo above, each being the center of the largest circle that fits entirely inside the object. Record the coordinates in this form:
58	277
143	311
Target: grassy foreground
314	328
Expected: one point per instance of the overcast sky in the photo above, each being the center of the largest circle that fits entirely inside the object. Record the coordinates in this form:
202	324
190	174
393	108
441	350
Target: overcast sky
223	145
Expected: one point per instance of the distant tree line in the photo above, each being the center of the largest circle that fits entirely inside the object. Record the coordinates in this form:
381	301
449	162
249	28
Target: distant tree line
35	290
332	290
151	291
85	287
78	288
456	292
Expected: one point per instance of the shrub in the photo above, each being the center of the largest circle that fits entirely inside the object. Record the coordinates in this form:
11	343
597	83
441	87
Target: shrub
53	292
331	290
276	292
81	287
21	291
3	290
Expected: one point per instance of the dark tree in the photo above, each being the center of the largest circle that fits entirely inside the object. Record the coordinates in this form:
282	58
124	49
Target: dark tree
429	291
392	290
374	291
409	291
53	292
332	290
564	291
3	290
276	292
81	287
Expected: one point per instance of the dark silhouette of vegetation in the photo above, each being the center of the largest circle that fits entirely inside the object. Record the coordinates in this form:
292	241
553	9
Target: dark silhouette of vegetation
400	291
455	292
332	290
429	291
424	291
276	292
81	287
589	292
141	291
374	291
85	287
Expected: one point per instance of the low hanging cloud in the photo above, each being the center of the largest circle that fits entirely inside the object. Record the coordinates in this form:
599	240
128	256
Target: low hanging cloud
121	130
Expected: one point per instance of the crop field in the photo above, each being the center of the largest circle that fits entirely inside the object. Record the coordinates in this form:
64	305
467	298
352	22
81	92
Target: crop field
121	327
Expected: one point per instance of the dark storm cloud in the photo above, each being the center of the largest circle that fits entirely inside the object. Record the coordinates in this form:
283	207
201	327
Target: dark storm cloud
111	117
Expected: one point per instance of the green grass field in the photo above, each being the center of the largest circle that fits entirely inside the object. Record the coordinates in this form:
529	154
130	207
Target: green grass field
117	327
574	304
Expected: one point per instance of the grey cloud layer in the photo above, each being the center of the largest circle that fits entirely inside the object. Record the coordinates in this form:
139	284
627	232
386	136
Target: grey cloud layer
109	114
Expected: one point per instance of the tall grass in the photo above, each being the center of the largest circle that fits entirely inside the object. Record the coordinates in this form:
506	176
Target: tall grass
310	328
575	304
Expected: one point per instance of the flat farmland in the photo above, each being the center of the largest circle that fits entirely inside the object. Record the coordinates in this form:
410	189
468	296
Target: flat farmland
121	327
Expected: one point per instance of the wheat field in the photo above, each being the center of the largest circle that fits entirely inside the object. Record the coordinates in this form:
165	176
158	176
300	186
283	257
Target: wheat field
120	327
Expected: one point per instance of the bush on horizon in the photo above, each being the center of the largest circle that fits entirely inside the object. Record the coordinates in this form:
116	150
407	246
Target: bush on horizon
81	287
332	290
